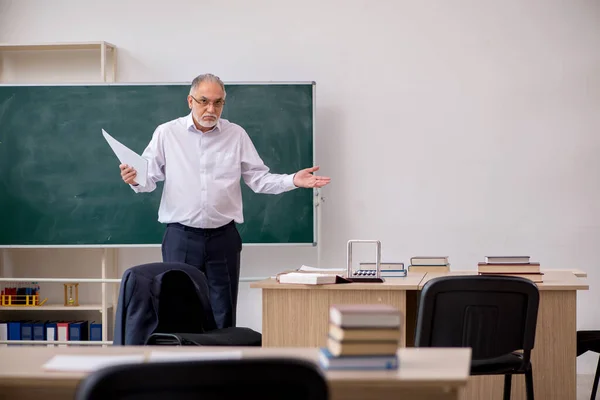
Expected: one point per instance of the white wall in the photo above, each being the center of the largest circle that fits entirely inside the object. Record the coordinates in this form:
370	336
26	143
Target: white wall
461	128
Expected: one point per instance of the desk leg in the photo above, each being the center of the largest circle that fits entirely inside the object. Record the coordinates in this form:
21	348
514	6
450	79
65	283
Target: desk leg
412	306
554	357
300	317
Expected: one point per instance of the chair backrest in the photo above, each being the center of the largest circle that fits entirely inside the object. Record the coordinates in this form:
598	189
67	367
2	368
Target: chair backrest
273	378
141	290
494	315
179	308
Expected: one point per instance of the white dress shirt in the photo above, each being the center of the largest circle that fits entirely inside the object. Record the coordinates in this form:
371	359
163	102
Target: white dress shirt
202	172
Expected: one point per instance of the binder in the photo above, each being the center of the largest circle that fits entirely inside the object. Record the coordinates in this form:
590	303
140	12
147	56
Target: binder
39	330
3	332
14	331
78	330
62	332
95	331
27	330
51	332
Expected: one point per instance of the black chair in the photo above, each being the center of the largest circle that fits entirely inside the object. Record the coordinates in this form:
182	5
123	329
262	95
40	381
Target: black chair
274	378
590	341
178	300
494	315
168	304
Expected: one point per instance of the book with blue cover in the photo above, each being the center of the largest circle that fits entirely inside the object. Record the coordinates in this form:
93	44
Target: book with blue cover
95	331
14	330
39	330
366	362
27	330
78	331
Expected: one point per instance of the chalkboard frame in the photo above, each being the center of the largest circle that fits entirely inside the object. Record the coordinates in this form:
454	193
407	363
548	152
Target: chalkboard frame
316	192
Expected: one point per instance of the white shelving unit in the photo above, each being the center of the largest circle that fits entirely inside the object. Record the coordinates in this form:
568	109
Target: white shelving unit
55	307
107	53
109	272
107	57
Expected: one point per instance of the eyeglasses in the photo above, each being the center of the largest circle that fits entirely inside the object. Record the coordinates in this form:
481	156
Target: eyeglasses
204	102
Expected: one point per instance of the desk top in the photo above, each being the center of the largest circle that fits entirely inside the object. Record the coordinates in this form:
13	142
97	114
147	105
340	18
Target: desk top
418	366
553	279
409	282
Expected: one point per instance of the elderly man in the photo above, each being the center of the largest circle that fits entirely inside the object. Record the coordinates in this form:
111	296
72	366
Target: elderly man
201	158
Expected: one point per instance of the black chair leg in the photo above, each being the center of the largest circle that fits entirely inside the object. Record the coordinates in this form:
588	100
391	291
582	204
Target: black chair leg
529	383
507	386
595	386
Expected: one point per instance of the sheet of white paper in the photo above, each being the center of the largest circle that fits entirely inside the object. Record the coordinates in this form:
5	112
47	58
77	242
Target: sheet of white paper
162	356
129	157
89	362
314	269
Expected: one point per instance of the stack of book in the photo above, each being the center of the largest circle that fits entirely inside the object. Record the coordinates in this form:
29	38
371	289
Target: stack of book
519	266
429	264
362	336
387	269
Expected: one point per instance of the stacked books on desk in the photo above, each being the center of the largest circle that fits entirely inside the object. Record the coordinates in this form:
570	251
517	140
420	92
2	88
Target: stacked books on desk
362	336
519	266
429	264
386	269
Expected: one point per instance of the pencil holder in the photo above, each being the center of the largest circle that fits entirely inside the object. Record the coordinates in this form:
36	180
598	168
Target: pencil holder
21	294
71	294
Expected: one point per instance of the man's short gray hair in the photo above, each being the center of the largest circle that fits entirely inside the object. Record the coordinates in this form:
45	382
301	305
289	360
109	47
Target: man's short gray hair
207	78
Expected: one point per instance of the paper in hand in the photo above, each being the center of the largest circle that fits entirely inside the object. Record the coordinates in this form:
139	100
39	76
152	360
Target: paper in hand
129	157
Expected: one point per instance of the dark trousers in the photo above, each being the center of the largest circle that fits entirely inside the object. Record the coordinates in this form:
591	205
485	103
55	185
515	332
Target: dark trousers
216	252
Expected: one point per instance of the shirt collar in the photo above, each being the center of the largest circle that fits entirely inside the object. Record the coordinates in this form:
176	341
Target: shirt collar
192	127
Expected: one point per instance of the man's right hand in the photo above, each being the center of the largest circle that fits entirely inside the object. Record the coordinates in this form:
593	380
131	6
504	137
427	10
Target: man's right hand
128	174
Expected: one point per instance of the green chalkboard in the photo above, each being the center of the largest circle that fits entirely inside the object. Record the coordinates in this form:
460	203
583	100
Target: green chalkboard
60	183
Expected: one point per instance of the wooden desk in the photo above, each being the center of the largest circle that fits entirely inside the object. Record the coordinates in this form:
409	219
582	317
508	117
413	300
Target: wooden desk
298	315
424	374
553	279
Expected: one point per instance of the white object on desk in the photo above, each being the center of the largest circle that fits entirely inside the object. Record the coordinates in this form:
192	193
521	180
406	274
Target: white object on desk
313	269
89	363
307	278
163	356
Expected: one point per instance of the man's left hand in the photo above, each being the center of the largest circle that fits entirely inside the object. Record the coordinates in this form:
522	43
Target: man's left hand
305	178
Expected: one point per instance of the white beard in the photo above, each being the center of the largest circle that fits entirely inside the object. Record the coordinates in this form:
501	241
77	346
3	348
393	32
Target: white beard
208	124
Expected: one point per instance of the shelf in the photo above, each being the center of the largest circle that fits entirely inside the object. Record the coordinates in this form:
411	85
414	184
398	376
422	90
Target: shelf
104	48
73	280
57	307
68	342
57	46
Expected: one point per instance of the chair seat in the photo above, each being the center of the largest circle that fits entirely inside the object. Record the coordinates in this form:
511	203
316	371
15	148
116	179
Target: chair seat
510	363
235	336
588	341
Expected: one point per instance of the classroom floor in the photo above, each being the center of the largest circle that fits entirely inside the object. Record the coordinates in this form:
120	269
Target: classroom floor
584	386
